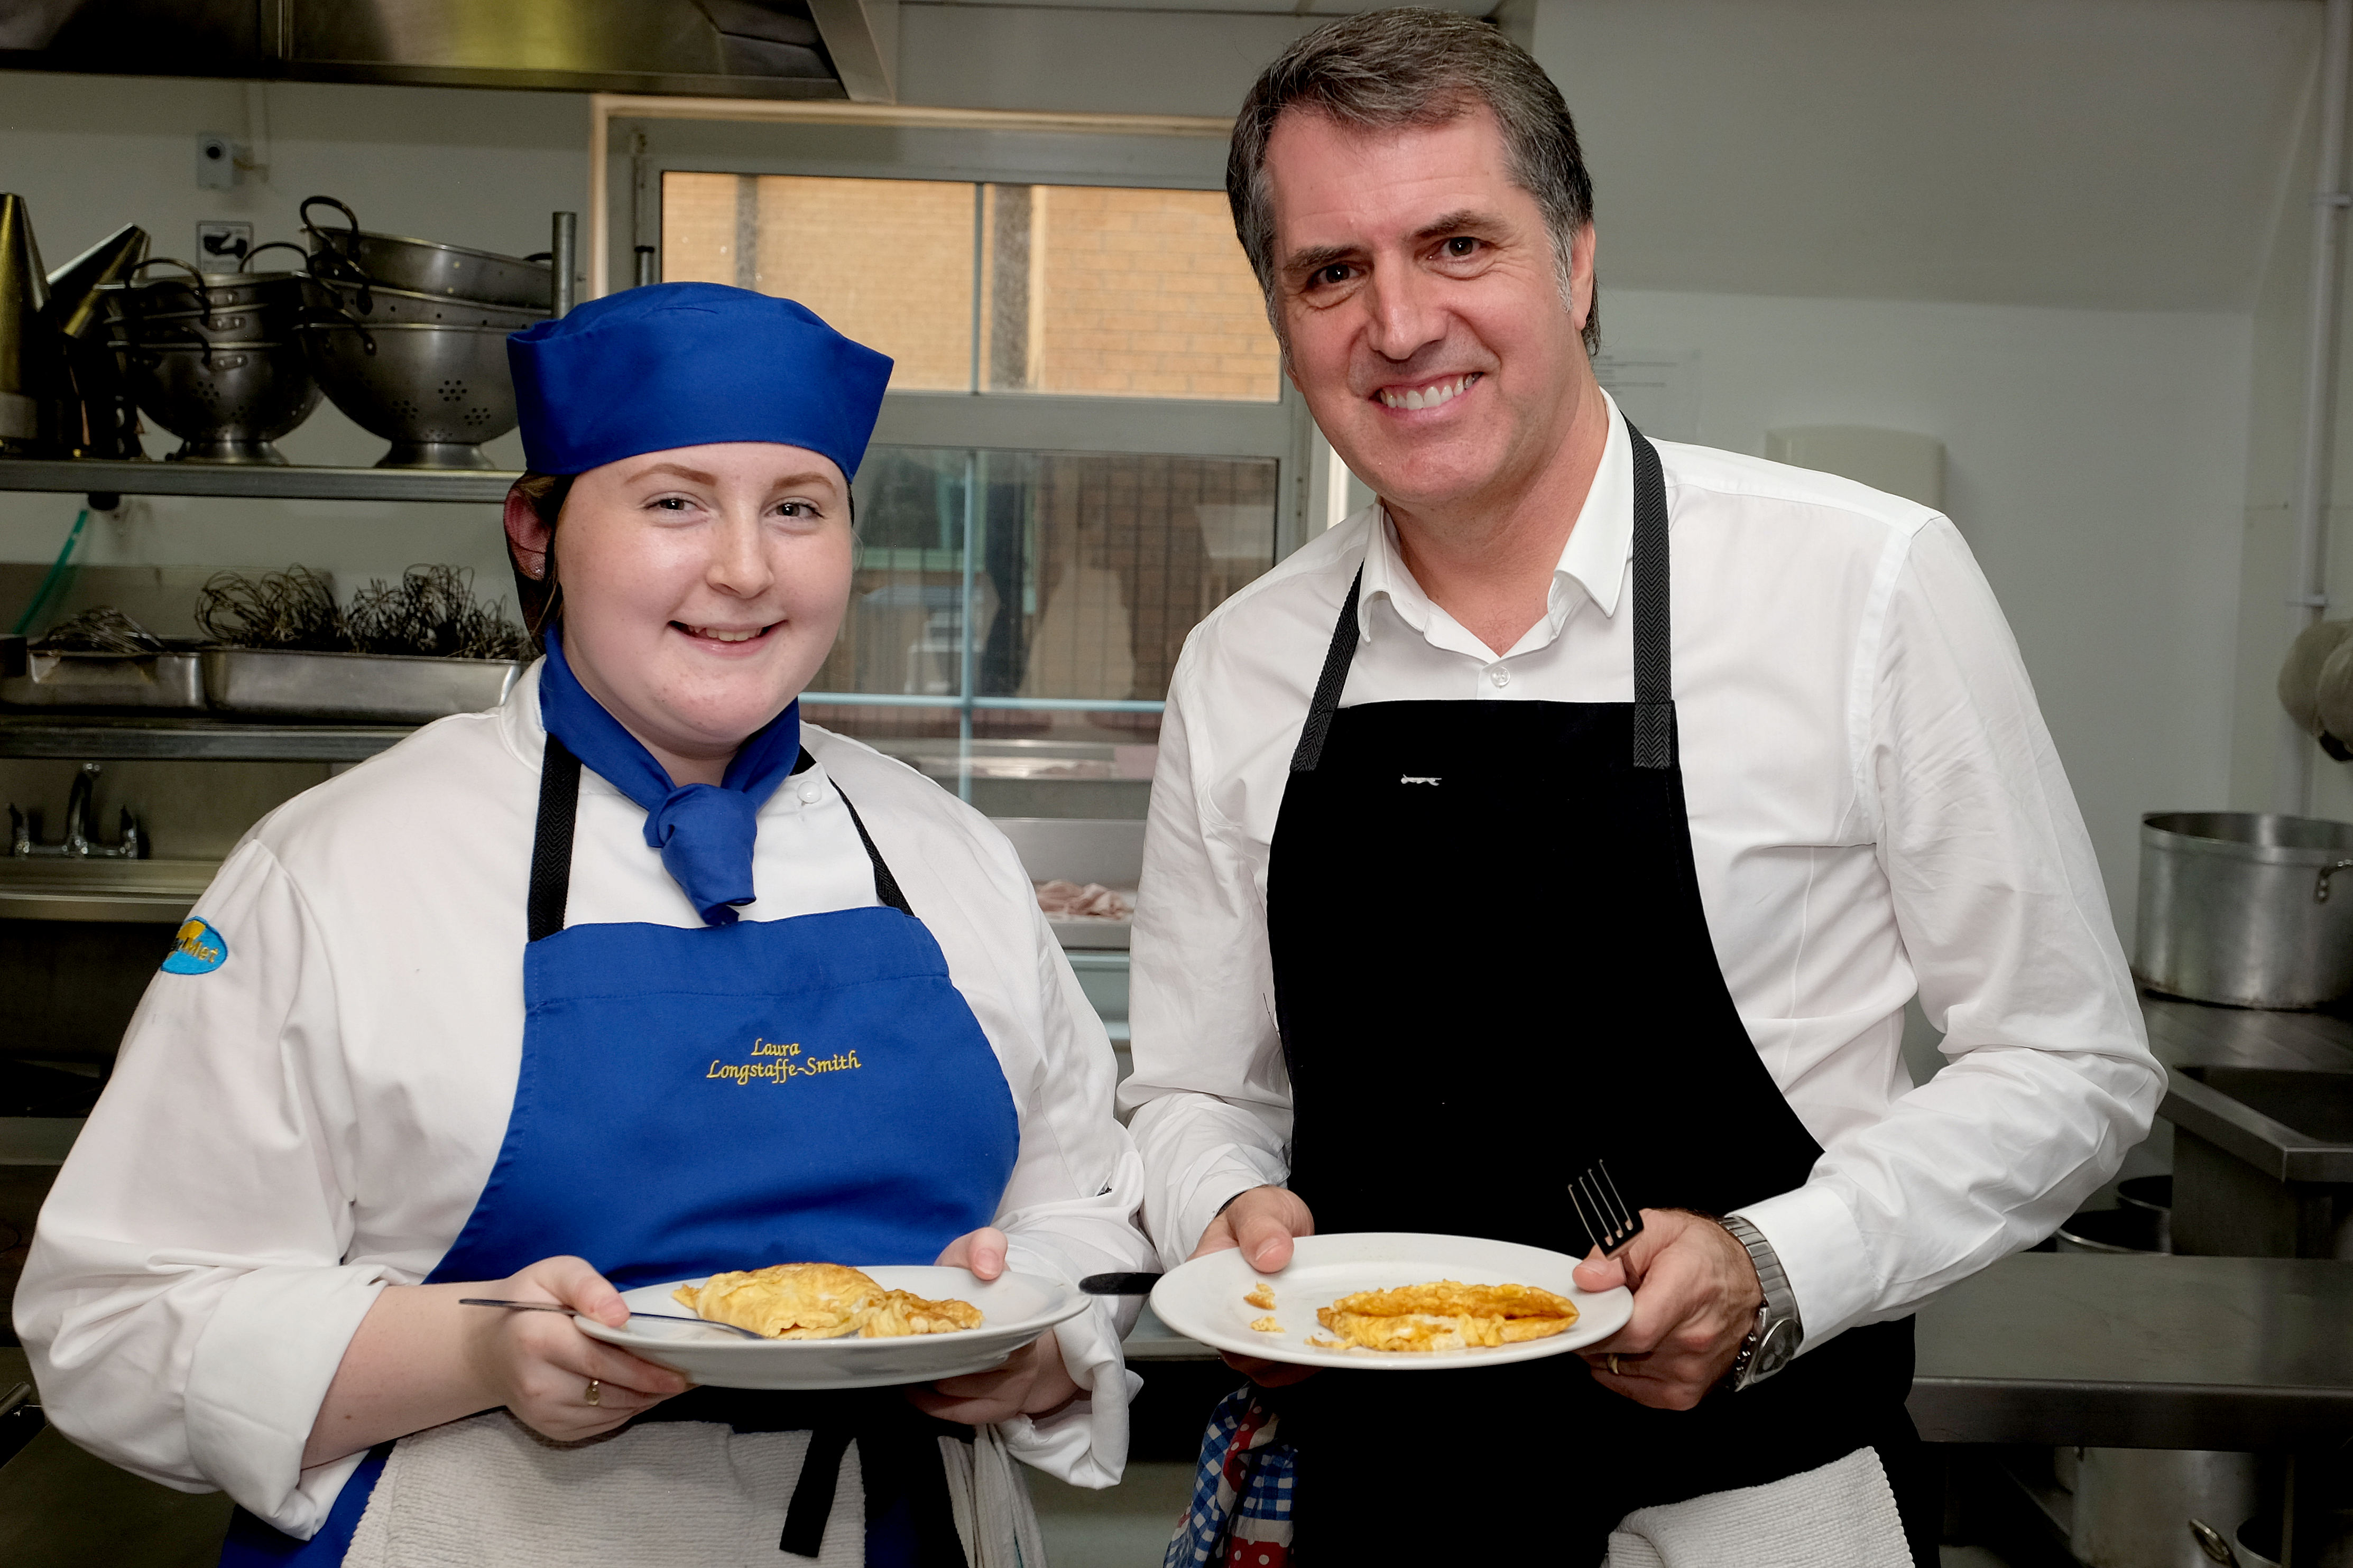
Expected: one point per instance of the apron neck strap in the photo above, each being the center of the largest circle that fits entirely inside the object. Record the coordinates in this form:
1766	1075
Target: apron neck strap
1654	685
551	847
1655	706
559	808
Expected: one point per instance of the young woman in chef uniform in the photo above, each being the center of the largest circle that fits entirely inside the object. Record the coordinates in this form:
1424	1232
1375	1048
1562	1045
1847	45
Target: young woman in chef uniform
498	1014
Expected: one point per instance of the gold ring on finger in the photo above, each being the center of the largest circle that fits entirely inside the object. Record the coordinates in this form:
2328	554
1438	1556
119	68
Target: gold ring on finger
596	1390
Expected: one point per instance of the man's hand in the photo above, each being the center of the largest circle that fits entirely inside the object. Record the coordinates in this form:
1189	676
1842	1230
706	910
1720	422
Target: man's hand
1696	1299
1261	1222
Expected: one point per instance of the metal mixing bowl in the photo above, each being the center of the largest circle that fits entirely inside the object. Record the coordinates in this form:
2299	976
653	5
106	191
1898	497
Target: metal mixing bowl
195	308
428	266
226	402
186	329
436	390
371	305
206	293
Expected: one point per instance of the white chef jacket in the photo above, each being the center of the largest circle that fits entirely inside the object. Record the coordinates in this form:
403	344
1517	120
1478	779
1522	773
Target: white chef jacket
1875	806
314	1120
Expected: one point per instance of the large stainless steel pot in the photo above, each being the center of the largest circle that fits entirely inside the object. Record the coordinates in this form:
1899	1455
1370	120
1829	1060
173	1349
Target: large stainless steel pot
2251	909
2133	1506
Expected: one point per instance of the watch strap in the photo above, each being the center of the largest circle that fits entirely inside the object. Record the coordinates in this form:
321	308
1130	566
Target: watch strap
1778	1308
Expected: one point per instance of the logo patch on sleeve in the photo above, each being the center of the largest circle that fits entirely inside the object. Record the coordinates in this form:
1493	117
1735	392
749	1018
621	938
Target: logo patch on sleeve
198	949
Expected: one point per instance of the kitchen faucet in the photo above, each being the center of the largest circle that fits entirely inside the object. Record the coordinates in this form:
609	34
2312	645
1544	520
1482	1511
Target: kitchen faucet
77	845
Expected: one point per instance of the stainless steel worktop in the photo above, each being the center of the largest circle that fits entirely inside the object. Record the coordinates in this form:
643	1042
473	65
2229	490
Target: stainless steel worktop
2194	1034
2152	1352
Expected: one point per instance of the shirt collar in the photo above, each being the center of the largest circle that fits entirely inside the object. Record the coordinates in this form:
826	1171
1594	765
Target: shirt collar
1593	560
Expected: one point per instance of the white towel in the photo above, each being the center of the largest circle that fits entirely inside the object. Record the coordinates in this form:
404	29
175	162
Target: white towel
994	1515
661	1494
1841	1515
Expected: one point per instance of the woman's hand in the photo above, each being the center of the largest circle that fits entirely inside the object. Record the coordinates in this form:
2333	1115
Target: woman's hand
538	1364
1031	1382
420	1360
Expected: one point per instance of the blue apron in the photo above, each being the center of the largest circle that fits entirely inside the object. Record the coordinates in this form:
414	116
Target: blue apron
695	1099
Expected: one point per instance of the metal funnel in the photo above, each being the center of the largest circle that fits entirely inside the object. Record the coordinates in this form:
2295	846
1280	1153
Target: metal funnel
32	368
75	304
101	420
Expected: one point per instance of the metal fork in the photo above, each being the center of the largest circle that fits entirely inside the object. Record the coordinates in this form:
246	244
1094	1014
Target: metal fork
1608	1220
658	1317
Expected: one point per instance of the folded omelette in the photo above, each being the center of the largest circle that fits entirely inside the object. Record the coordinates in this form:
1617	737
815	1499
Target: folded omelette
821	1302
1446	1315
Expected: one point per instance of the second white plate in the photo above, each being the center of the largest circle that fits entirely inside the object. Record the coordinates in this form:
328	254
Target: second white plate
1203	1298
1015	1309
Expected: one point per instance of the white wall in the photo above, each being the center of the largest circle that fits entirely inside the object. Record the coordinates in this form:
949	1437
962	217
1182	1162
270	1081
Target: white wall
2275	417
481	169
2098	458
2094	461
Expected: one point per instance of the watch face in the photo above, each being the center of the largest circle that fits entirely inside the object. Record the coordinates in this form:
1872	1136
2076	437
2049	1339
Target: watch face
1780	1344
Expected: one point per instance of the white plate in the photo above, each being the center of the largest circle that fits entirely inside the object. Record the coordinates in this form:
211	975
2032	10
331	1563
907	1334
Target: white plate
1203	1298
1014	1309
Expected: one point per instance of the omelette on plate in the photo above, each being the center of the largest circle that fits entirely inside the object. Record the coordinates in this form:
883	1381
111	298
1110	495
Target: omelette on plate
1445	1316
821	1302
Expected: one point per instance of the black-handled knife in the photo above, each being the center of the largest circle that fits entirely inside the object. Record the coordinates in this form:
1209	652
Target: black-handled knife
1119	1284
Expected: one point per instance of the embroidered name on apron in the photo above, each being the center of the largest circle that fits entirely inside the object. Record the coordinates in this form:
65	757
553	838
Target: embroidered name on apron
789	1063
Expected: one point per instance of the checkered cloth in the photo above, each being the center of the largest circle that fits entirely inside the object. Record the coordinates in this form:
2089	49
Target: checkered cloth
1241	1513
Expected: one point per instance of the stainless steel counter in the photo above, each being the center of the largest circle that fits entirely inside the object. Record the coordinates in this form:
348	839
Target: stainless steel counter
2192	1034
2248	1353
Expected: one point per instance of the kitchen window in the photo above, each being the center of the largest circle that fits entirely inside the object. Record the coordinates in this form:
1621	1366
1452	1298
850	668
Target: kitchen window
1096	290
1088	444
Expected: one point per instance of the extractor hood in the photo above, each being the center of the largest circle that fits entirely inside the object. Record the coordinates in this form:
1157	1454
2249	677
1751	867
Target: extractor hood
718	48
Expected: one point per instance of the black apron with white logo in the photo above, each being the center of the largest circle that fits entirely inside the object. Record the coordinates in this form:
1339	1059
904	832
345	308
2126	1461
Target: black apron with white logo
1491	968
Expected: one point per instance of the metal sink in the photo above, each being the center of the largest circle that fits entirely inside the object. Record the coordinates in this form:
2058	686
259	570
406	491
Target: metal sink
2262	1162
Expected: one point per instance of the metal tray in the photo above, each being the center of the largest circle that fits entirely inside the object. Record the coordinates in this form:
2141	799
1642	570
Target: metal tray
171	682
386	688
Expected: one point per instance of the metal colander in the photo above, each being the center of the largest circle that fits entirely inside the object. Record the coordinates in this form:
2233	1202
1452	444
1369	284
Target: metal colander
437	390
226	402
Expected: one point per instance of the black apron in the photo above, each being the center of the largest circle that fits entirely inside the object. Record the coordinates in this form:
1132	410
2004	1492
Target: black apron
1491	968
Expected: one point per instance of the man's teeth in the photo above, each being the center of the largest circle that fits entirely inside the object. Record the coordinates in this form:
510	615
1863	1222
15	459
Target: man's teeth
1431	397
718	635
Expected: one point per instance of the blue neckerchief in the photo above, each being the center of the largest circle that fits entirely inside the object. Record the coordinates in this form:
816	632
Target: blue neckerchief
703	831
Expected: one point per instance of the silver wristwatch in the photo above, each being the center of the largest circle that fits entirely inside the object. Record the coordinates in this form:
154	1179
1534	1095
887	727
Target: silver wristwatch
1777	1332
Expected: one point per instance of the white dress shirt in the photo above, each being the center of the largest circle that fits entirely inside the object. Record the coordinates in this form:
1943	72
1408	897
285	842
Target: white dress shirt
1875	807
315	1118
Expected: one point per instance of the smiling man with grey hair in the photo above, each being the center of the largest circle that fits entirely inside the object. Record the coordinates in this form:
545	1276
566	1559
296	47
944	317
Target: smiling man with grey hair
1590	805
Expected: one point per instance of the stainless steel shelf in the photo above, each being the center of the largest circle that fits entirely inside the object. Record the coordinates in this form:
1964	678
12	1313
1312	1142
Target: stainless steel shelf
191	739
69	476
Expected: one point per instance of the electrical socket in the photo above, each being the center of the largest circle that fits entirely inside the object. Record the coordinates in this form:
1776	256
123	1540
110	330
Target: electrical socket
216	162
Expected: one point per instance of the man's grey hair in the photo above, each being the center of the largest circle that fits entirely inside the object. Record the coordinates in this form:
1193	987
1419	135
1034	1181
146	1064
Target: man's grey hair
1389	70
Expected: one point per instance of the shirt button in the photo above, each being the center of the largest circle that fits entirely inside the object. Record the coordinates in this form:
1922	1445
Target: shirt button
1500	676
809	794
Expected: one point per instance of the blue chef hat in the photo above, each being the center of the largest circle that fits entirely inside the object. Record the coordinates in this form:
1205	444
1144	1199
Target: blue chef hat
683	364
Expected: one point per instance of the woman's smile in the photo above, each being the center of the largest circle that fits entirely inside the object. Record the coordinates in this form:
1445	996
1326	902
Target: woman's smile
727	637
